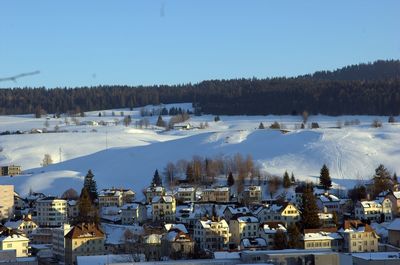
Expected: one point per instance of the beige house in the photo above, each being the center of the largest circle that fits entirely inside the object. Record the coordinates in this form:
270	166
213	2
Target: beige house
358	237
251	194
51	212
378	210
212	234
84	240
154	191
26	225
6	201
243	227
11	240
11	170
394	232
115	197
186	194
323	238
286	213
164	208
217	194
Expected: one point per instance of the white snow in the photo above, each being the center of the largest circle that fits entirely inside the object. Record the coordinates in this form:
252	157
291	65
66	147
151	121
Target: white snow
127	156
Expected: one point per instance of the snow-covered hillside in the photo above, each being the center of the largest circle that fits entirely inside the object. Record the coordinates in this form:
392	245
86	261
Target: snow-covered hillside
132	154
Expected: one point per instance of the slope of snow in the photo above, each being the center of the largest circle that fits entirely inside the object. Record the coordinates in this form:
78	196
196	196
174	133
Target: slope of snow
351	153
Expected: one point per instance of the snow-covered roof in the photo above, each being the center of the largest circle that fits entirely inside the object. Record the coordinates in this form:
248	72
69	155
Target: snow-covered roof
247	219
325	216
253	242
13	237
321	236
13	224
180	227
370	204
186	189
239	210
207	223
130	206
378	256
328	198
272	227
394	225
396	194
166	199
253	188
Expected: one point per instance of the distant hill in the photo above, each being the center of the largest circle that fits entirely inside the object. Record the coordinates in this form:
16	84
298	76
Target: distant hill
363	89
378	70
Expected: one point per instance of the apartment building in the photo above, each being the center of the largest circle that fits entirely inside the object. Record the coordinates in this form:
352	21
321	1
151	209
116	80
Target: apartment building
186	194
243	227
164	208
217	194
211	233
250	195
51	212
6	201
115	197
154	191
133	213
11	170
58	241
322	238
328	202
378	210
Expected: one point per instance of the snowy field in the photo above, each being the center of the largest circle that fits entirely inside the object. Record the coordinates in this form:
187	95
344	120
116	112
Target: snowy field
123	156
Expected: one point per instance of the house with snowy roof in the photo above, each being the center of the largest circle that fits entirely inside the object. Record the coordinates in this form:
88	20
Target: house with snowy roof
358	237
244	226
186	194
322	238
378	210
251	194
176	243
256	243
216	194
12	240
268	230
164	208
232	211
154	191
326	219
211	233
285	212
132	213
394	233
328	202
25	225
115	197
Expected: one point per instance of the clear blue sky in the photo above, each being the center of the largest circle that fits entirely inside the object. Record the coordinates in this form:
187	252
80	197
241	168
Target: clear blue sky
77	43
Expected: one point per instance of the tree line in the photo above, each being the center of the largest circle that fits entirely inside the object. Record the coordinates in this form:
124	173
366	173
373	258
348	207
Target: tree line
372	89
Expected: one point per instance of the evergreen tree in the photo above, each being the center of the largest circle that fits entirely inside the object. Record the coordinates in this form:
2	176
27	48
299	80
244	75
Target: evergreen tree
358	193
189	174
230	181
87	210
91	186
382	180
395	180
280	240
286	180
160	122
309	209
325	178
261	126
156	179
294	236
335	219
292	179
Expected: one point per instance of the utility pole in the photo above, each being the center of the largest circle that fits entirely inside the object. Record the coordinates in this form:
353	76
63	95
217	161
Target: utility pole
59	151
106	139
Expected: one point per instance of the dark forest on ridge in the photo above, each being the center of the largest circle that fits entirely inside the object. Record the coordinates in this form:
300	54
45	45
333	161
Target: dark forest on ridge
369	89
